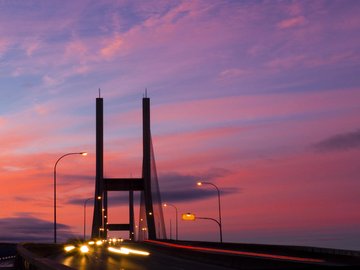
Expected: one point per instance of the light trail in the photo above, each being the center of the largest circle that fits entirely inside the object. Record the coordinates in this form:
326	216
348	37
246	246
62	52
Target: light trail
118	251
127	251
69	248
235	252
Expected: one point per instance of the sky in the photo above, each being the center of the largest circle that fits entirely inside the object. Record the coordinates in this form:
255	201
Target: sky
261	98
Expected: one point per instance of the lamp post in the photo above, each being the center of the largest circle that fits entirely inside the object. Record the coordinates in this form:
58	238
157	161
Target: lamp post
176	220
68	154
218	192
192	217
170	230
85	202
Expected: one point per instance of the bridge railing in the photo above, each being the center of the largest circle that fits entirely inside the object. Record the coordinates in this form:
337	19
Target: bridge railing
27	260
267	247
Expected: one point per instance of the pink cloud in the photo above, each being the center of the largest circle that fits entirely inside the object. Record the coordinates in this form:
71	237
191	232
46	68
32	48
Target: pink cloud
2	121
50	81
34	172
19	138
3	45
252	107
256	49
291	22
76	49
307	61
286	62
83	69
295	8
299	192
17	72
233	73
202	132
348	57
111	47
175	28
263	139
311	191
31	46
195	153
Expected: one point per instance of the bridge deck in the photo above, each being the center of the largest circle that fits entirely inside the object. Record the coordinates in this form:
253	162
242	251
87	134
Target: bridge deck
200	255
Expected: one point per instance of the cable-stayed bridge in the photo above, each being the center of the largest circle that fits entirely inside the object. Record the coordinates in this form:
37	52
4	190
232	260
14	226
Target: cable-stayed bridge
150	249
151	221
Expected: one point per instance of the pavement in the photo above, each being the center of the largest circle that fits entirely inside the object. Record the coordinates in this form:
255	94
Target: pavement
176	256
100	259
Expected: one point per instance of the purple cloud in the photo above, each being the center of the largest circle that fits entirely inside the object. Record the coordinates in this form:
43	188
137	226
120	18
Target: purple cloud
31	229
344	141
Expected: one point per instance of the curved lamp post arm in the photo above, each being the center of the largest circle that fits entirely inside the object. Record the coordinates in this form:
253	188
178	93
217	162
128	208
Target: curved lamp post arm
218	223
56	163
176	212
213	219
209	183
219	203
68	154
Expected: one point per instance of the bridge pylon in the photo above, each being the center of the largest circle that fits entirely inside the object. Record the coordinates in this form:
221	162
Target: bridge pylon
100	225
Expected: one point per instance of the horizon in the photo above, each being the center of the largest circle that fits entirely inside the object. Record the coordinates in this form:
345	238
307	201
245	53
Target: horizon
261	98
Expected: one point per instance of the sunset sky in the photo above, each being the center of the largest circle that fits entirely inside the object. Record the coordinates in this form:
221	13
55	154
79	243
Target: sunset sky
261	98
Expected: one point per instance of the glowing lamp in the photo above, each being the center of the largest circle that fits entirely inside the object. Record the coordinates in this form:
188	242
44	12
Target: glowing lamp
188	217
84	249
69	248
99	242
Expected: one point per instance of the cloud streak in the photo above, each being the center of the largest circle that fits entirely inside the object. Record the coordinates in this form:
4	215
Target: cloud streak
291	22
258	90
340	142
174	187
30	229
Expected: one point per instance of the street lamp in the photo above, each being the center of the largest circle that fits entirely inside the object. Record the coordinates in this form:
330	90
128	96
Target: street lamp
192	217
68	154
188	217
176	213
218	192
85	202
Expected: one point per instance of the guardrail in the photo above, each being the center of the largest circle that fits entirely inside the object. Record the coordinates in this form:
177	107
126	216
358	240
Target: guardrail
257	256
267	247
7	262
7	258
27	260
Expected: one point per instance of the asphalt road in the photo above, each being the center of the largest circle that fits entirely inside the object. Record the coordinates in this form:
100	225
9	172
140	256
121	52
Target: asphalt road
100	258
197	255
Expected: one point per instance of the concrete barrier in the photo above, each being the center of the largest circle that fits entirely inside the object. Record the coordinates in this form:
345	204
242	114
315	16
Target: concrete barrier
27	260
275	255
267	247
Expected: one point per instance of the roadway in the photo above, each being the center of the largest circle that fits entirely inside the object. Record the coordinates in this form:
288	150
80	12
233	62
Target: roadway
99	258
174	256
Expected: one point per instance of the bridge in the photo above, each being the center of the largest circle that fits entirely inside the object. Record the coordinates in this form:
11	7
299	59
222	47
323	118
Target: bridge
151	223
148	247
